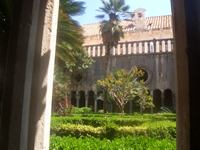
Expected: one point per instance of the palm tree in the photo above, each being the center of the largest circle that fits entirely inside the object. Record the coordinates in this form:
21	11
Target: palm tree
69	33
111	31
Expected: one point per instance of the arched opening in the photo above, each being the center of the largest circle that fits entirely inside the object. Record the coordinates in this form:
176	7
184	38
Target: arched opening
99	104
168	101
91	99
157	100
73	98
82	99
99	101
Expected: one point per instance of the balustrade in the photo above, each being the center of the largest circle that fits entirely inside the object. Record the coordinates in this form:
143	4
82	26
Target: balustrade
135	47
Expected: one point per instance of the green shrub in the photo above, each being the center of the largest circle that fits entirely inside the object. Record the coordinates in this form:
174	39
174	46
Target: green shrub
86	110
101	111
111	131
130	143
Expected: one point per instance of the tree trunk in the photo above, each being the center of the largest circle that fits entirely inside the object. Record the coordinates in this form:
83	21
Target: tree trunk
122	113
107	63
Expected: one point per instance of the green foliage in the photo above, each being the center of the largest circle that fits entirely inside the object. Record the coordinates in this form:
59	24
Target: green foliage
111	131
83	110
111	30
69	32
123	86
112	126
83	61
131	143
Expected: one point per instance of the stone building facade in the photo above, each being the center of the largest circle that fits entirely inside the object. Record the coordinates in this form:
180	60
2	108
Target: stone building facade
148	44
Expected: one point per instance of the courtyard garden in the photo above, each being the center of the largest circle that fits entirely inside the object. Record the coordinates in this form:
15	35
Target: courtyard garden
83	129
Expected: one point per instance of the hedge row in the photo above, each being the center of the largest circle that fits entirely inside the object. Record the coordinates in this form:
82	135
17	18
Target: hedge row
98	121
131	143
111	131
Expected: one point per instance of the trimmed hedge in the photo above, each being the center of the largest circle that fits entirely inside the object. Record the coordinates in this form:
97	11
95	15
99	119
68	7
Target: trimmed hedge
111	130
98	121
131	143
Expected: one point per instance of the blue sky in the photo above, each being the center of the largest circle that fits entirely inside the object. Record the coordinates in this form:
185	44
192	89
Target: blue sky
153	8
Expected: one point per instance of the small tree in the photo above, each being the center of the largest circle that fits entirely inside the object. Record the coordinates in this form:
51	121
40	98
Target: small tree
123	86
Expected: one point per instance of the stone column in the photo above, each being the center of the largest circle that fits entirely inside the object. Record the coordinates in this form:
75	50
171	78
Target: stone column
29	76
77	99
162	98
86	100
95	102
131	107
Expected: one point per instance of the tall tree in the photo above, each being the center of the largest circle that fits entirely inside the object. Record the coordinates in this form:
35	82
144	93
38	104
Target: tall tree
69	33
111	31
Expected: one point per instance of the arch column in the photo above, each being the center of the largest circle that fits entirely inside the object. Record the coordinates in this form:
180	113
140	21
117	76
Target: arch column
95	102
131	107
77	99
86	100
162	98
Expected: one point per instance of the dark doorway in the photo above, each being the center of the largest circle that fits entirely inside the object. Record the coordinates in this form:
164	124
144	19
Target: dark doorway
73	98
157	101
91	99
168	101
82	99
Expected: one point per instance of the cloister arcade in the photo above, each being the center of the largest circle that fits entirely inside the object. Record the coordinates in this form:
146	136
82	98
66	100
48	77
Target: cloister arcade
90	98
28	84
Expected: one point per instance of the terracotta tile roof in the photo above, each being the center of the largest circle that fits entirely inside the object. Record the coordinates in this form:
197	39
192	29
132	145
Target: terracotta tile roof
153	23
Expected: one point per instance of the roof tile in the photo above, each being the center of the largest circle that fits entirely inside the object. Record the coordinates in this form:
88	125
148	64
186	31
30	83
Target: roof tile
156	22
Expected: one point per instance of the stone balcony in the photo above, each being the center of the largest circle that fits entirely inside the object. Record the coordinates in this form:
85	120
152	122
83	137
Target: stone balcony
133	48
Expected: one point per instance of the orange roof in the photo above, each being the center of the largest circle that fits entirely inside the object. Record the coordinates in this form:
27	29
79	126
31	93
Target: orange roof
153	23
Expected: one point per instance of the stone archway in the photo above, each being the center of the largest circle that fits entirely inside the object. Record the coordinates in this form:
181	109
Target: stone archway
91	99
157	101
73	98
99	101
168	99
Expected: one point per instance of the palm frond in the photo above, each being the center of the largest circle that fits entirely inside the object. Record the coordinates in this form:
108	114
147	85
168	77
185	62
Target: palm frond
100	16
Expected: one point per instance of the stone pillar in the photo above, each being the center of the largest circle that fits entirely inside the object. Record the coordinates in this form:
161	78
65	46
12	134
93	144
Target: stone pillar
162	98
186	31
29	76
77	99
95	105
131	107
95	102
86	100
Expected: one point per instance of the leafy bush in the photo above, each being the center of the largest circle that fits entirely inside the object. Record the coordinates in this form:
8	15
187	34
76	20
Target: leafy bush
111	130
101	111
86	109
131	143
99	121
